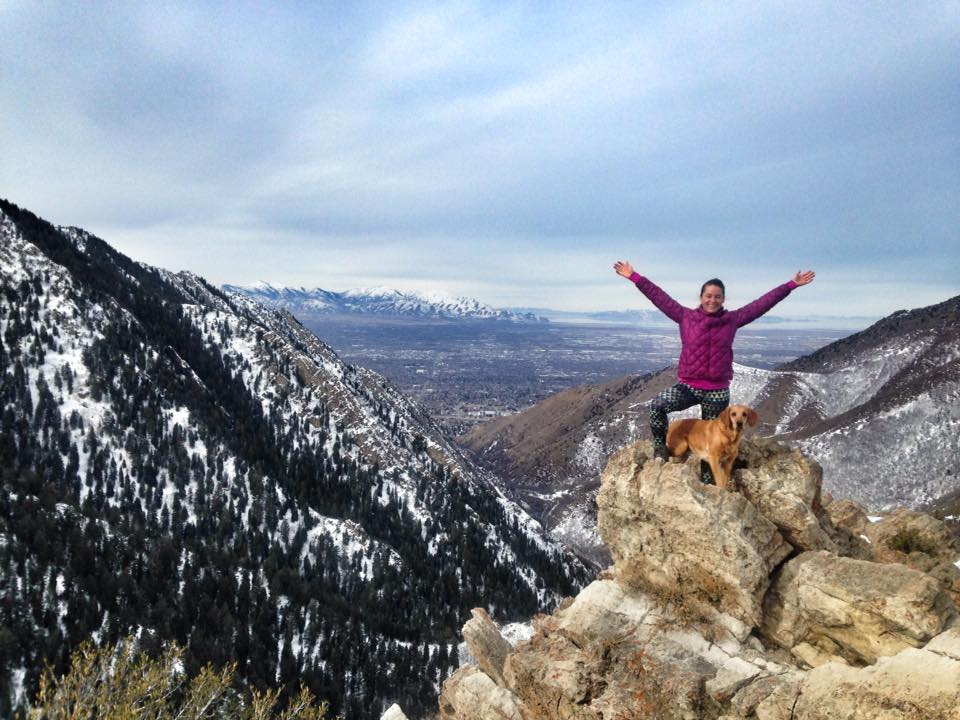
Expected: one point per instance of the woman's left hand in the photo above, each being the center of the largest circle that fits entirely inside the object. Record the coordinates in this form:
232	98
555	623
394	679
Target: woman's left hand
804	278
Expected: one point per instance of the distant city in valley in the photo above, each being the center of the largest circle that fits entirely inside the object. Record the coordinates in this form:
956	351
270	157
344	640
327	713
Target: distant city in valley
467	372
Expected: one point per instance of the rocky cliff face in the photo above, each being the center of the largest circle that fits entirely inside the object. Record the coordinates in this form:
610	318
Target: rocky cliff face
772	602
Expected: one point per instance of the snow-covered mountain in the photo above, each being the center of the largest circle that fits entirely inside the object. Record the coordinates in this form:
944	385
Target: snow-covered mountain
187	464
879	410
377	301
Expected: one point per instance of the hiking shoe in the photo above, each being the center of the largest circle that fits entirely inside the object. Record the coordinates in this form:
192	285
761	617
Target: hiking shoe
706	474
662	453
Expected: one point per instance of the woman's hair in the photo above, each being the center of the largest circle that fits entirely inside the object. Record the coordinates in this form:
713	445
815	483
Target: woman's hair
715	281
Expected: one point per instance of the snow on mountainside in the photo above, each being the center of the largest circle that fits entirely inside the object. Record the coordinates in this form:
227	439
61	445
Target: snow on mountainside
187	464
879	410
378	301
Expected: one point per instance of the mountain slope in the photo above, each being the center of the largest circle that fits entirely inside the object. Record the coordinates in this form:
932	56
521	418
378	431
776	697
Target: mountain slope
379	301
878	410
187	465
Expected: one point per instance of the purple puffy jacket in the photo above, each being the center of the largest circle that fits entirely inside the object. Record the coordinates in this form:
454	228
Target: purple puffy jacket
706	354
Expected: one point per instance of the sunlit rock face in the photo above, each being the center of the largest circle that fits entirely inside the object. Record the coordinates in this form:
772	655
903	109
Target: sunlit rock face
757	603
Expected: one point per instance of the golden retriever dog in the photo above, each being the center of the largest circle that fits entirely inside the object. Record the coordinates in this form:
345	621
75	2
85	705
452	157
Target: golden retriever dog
716	441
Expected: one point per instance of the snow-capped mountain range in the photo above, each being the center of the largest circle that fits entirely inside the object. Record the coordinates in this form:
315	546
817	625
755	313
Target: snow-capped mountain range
377	301
880	411
186	464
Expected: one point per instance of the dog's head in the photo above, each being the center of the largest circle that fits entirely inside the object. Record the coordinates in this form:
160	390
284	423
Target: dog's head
736	416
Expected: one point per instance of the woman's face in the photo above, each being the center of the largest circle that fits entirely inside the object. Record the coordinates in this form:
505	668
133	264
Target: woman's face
711	299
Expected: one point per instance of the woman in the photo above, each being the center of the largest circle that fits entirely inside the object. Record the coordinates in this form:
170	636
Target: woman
706	347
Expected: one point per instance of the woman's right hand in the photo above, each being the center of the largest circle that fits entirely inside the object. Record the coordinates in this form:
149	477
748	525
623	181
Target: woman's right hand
623	268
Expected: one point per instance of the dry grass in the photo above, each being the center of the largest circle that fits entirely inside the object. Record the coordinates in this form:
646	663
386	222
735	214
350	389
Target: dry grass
687	597
118	682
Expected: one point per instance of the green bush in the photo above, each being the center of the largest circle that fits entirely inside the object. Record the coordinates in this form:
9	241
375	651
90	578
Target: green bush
908	540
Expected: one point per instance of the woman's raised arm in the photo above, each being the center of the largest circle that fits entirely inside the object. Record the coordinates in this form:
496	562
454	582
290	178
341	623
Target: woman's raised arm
763	304
659	297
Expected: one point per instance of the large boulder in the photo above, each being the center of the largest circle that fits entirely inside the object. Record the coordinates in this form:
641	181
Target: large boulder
685	541
589	655
393	713
486	644
825	607
784	485
919	541
914	684
470	694
848	514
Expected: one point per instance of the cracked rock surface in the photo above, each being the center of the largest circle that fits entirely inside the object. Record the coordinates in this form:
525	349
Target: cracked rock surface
753	604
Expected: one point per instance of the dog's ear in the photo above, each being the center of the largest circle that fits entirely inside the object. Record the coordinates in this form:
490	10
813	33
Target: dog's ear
725	417
752	417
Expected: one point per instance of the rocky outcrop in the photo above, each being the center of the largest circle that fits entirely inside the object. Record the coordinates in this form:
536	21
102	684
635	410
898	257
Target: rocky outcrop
916	684
759	603
614	647
919	541
904	537
827	608
672	535
470	694
486	644
785	488
393	713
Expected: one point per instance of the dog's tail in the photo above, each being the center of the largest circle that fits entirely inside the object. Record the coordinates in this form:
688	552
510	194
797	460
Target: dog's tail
679	448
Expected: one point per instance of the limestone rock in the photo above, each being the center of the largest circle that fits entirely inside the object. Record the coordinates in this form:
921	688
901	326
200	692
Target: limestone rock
732	675
854	609
613	649
393	713
675	536
848	514
470	694
846	522
769	698
914	684
486	644
700	577
919	541
946	643
784	485
563	669
904	532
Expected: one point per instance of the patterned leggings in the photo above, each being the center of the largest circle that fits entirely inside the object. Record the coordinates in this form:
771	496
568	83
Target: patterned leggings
680	397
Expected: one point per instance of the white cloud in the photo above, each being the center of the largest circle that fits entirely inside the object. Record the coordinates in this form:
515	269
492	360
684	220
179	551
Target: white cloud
474	140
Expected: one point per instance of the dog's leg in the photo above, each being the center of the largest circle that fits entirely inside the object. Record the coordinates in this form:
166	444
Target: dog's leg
728	468
677	450
719	474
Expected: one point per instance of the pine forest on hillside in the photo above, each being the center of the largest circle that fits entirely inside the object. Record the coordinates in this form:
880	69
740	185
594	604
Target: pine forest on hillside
187	466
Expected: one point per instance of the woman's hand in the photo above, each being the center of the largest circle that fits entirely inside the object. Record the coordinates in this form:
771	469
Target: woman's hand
804	278
623	268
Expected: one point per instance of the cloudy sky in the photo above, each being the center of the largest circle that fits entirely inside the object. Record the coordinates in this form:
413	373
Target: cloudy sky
507	151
